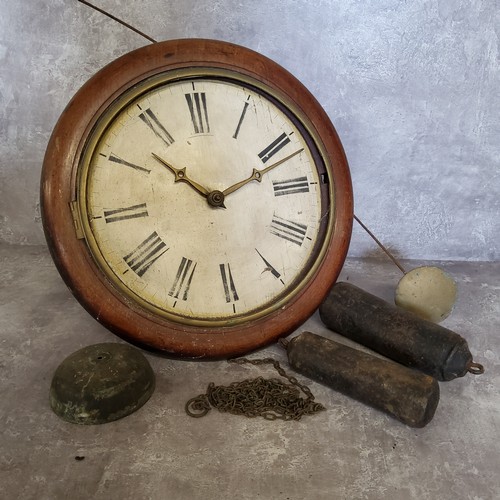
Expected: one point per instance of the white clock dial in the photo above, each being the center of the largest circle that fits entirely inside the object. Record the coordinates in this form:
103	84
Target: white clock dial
202	199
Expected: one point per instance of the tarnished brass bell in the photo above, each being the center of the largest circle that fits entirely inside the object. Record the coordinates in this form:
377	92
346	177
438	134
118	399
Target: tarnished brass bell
101	383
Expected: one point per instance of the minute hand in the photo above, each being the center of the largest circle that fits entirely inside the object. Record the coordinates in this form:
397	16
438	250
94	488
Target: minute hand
257	174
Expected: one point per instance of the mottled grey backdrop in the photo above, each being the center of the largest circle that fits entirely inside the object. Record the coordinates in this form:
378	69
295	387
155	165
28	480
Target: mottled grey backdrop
413	88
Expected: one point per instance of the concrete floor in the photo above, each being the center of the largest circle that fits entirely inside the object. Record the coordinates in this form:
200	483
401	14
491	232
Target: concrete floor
349	451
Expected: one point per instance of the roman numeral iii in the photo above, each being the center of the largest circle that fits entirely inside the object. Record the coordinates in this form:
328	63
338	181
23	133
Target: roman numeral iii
291	186
146	254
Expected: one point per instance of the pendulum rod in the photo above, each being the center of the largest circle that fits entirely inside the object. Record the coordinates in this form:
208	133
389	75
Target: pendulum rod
382	247
147	37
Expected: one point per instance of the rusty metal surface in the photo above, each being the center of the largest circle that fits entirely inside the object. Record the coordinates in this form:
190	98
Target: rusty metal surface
101	383
408	395
270	398
398	334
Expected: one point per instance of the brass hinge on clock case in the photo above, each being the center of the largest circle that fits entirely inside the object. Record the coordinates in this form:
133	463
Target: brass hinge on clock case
77	220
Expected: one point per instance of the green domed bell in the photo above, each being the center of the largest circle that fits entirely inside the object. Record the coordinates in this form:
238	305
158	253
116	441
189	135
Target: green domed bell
101	383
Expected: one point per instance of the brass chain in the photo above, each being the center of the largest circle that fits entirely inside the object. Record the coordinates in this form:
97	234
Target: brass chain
271	399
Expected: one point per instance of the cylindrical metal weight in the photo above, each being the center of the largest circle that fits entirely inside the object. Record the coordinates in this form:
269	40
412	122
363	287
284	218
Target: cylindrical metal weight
396	333
408	395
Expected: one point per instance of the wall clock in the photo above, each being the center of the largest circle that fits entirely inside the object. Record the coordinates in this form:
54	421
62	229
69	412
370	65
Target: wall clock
196	199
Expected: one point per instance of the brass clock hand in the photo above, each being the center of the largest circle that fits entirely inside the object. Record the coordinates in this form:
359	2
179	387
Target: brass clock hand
257	174
181	176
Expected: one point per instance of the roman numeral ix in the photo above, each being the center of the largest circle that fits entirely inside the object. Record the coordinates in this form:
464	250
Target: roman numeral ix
146	254
125	213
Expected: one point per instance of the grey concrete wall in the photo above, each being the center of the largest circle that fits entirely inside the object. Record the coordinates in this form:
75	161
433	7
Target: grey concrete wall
413	88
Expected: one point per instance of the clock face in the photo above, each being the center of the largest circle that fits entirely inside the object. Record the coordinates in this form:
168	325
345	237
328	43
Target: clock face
196	199
204	198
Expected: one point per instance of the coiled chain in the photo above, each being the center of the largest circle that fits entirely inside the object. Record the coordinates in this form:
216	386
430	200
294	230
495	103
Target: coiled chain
259	397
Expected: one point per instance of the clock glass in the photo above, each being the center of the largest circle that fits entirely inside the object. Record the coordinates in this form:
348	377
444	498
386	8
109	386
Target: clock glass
204	197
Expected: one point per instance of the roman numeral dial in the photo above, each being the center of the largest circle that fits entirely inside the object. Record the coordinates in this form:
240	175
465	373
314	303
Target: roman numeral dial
151	193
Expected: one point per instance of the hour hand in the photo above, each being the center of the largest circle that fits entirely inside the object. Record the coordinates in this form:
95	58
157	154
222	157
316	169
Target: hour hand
181	176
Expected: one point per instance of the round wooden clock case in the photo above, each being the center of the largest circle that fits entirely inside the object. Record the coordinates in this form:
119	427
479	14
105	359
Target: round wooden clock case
196	199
